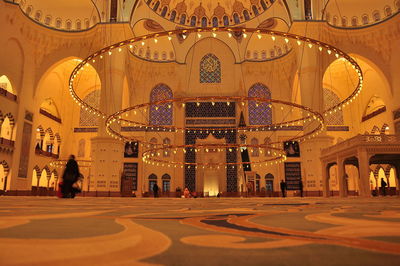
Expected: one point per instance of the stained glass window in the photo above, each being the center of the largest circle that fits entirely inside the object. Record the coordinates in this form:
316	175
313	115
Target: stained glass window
259	112
210	69
161	114
330	100
89	119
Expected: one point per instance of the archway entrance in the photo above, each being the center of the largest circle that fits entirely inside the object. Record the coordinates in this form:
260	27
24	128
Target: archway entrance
211	181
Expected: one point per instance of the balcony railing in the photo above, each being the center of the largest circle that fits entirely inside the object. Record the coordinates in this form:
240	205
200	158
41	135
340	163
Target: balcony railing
7	142
363	140
8	95
41	152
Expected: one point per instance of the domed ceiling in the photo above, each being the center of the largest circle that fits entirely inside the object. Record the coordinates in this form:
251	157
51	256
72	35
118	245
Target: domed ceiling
209	13
72	15
359	13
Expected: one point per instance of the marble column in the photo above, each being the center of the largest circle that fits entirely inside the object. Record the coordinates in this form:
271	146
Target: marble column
363	162
325	179
107	152
341	177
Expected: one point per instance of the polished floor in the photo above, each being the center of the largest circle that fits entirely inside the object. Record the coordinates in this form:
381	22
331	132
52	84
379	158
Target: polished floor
214	231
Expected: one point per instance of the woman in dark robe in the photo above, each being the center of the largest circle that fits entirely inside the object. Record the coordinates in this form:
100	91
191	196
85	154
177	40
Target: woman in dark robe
70	176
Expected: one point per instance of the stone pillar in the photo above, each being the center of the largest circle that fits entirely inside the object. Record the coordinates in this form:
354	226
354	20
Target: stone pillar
325	179
363	162
107	152
310	77
341	177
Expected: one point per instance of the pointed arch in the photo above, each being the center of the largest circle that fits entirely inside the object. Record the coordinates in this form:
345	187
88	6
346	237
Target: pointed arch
384	129
375	130
259	113
161	114
210	69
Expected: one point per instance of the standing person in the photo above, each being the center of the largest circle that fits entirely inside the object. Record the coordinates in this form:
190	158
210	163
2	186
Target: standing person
155	190
283	188
301	188
70	176
383	185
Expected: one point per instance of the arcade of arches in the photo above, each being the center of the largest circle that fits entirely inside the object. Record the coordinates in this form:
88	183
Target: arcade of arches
40	123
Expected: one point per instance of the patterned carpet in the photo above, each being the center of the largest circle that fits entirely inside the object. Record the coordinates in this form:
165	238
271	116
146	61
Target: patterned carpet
214	231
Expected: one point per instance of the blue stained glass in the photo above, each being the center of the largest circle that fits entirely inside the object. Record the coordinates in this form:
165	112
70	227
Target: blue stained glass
161	114
259	113
210	69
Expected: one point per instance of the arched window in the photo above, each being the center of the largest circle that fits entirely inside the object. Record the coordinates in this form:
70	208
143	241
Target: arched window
173	16
264	5
38	15
152	181
398	5
166	179
246	15
334	21
226	21
87	23
354	21
236	18
260	113
29	10
330	100
164	11
68	25
376	15
258	179
58	23
183	19
193	21
47	20
166	152
155	7
255	10
385	129
204	22
255	152
89	119
388	11
161	114
78	25
210	69
344	22
365	19
215	22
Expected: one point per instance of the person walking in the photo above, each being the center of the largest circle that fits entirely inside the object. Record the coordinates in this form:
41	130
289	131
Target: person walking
155	190
383	186
70	176
283	188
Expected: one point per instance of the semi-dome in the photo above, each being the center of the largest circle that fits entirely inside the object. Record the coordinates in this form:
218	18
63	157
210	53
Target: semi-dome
72	15
359	13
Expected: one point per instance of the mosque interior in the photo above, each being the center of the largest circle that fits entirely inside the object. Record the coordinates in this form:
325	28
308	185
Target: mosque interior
223	98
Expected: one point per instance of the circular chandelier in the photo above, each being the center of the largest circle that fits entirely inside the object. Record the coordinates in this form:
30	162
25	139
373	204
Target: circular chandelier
152	154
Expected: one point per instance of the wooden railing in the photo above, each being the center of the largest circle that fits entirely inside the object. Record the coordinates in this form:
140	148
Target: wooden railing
364	140
41	152
7	142
8	95
47	114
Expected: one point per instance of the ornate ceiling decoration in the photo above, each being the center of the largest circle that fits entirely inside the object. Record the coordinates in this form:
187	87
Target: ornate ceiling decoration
207	13
359	13
72	15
